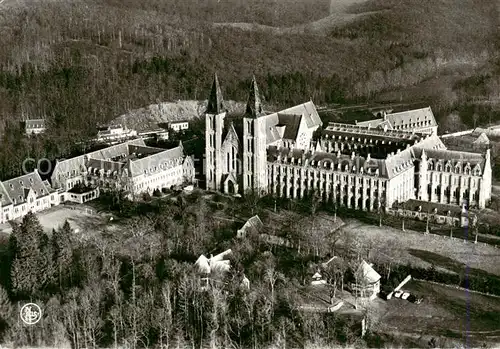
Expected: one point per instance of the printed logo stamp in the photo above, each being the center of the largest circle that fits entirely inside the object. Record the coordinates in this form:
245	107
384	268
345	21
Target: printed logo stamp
31	313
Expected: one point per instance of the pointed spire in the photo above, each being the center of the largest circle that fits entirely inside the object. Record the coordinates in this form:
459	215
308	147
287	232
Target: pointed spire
254	104
215	100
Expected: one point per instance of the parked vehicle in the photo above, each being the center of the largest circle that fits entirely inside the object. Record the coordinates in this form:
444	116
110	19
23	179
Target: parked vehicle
398	294
405	295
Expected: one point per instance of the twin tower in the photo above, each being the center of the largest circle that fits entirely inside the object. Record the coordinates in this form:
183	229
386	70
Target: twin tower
235	152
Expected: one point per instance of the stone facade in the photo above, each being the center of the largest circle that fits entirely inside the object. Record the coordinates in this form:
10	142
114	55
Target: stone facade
356	166
130	166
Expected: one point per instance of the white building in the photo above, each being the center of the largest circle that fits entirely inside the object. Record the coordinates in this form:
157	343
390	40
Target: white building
417	120
23	194
131	166
367	283
34	126
115	133
178	125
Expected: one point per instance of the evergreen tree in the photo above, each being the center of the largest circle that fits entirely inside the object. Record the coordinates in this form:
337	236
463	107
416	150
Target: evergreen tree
62	255
31	265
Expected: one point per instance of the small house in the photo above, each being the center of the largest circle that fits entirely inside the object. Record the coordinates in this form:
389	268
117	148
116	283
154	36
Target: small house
178	125
34	126
254	224
367	284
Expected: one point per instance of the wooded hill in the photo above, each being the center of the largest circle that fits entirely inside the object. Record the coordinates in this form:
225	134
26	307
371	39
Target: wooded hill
89	61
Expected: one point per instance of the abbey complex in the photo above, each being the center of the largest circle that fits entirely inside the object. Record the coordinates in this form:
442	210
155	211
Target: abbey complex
364	166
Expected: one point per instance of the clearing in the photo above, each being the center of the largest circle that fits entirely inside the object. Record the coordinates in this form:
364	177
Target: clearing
340	14
445	311
386	243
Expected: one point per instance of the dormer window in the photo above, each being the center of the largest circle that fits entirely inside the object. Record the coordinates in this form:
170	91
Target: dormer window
11	186
21	182
31	180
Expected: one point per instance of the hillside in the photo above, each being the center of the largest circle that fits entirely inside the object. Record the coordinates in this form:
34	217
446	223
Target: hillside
85	62
149	117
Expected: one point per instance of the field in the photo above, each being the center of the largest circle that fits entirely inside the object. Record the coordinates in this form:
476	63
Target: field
386	243
445	311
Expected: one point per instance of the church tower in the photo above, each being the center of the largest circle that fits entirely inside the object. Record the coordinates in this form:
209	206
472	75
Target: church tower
214	125
254	143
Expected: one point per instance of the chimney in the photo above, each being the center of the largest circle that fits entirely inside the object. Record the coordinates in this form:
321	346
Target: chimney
399	151
368	158
353	155
384	113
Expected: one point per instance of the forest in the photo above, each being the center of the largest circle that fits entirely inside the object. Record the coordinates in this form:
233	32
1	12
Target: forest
100	59
138	286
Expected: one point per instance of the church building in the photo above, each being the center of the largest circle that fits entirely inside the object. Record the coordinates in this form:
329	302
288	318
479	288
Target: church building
363	166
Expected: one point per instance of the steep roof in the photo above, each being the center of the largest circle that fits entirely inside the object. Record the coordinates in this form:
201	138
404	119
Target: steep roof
215	100
308	110
366	275
254	104
254	223
410	118
358	131
64	166
4	196
18	188
405	120
482	139
384	168
158	161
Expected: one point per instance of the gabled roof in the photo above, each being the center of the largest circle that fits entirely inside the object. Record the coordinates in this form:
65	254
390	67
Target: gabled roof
410	118
366	275
213	264
254	223
482	139
399	162
4	197
405	120
164	159
308	111
230	133
64	166
19	188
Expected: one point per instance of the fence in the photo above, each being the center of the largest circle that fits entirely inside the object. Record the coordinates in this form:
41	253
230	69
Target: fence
433	217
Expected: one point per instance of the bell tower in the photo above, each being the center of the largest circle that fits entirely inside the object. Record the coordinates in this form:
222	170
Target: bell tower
214	125
254	143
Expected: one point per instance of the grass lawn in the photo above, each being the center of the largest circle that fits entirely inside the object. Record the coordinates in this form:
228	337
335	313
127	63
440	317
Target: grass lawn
79	217
386	243
444	312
